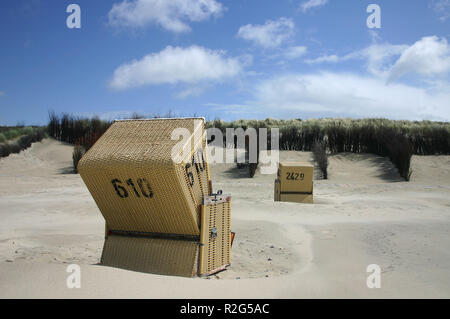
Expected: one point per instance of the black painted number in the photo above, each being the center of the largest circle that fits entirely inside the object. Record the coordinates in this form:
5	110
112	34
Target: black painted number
295	176
120	190
198	161
144	188
131	184
190	175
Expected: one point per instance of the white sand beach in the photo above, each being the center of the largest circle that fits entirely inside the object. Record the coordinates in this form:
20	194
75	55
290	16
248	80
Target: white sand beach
364	214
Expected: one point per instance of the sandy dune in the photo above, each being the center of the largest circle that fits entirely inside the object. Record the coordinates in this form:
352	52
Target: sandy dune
364	214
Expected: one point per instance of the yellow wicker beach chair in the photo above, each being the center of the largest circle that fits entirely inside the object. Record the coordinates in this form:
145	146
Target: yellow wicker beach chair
151	181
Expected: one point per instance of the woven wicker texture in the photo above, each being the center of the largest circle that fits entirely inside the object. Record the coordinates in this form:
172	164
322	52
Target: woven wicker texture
215	253
136	184
157	256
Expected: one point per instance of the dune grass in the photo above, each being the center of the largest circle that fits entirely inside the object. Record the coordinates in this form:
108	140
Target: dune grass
24	137
10	133
321	157
76	130
398	140
77	154
352	135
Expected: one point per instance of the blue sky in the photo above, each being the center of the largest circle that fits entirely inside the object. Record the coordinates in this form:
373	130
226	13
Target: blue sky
225	59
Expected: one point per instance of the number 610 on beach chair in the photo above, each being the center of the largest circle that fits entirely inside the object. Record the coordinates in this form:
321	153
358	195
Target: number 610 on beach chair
151	181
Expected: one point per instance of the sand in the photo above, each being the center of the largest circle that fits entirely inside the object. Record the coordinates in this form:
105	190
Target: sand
364	214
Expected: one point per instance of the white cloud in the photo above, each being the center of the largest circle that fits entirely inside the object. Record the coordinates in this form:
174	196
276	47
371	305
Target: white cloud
2	93
374	94
347	94
295	52
374	36
172	15
379	57
442	8
191	91
192	65
305	6
427	57
271	34
324	59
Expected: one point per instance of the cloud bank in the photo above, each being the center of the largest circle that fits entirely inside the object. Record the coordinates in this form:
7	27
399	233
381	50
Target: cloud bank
430	56
347	94
192	65
377	92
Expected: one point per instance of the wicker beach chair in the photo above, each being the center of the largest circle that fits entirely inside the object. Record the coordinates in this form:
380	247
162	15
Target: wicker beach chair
151	181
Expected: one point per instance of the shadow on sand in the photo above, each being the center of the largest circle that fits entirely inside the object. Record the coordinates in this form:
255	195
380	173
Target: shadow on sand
66	170
235	172
384	169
